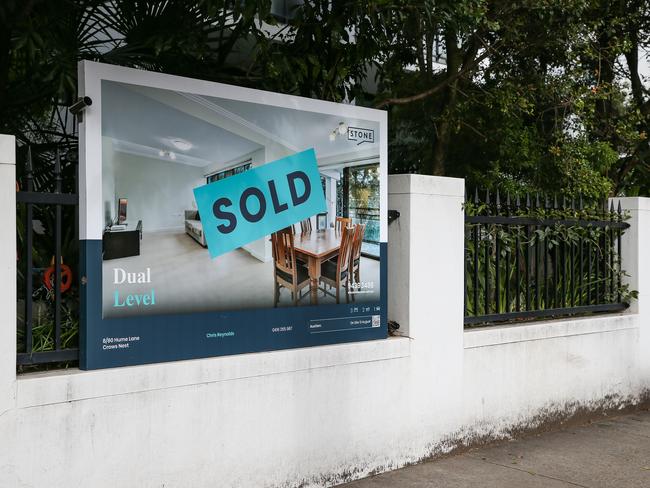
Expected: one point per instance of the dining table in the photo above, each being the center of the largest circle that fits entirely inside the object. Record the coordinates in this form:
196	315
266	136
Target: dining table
314	248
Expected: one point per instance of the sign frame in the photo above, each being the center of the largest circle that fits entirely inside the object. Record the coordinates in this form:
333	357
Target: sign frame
160	338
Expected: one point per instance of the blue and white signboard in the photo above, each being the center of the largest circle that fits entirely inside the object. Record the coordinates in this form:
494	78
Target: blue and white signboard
219	220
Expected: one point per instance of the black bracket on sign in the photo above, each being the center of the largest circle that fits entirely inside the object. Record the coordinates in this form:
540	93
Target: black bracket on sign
392	216
79	106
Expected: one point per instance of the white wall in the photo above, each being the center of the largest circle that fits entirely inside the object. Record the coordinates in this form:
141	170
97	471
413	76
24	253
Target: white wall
158	191
7	278
323	415
636	252
109	200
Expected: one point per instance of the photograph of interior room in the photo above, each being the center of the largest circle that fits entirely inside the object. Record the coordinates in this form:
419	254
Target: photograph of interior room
158	145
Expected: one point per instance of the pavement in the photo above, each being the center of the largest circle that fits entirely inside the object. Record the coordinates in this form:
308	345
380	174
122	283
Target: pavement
611	452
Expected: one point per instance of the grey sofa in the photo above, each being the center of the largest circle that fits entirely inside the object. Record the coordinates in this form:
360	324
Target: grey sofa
193	226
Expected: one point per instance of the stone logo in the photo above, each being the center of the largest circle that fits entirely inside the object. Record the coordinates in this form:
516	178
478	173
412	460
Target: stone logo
360	135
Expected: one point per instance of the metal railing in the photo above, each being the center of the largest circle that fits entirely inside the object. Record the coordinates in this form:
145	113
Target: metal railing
368	216
53	337
540	258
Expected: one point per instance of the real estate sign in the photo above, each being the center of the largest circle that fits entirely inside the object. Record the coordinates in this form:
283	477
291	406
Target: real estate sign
221	220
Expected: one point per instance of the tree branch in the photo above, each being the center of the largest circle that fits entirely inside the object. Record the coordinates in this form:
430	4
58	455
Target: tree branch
440	86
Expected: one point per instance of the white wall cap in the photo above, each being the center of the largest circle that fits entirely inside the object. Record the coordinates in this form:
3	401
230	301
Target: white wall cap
550	329
60	386
7	149
426	185
633	203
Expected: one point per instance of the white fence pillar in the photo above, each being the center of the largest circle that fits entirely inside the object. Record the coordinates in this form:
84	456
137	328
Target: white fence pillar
425	273
425	258
7	271
636	263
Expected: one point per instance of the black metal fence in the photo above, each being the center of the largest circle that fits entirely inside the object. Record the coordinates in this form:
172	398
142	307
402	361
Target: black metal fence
525	259
44	335
536	257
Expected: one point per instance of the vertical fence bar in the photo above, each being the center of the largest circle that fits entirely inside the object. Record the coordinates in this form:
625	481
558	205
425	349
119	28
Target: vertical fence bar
605	263
465	258
556	275
29	276
620	252
497	260
555	262
537	283
545	256
603	249
572	273
487	258
612	274
57	255
589	269
606	252
527	255
517	260
562	263
599	254
508	254
581	291
476	260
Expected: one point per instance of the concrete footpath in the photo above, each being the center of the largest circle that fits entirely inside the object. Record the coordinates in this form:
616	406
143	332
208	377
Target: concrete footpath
611	452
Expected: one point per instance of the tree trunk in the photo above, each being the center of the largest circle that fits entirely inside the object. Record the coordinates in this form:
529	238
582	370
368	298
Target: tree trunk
443	128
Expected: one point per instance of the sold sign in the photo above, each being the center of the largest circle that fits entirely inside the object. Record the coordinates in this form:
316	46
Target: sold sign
245	207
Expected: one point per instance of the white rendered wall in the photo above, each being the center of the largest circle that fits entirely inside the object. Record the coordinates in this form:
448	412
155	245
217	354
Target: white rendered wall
109	200
319	416
158	192
7	278
523	376
636	252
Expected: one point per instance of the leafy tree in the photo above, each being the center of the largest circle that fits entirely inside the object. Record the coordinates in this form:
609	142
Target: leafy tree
532	110
529	94
41	43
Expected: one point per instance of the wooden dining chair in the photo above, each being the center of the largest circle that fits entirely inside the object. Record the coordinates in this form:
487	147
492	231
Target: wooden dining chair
287	272
336	273
341	222
355	254
305	226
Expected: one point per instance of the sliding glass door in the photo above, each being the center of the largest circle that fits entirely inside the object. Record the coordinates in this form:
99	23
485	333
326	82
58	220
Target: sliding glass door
358	198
